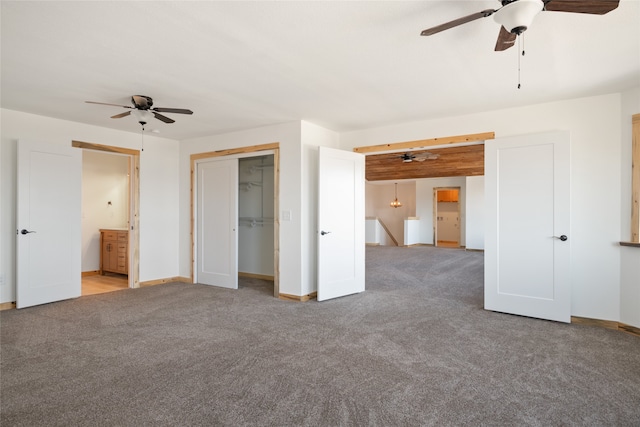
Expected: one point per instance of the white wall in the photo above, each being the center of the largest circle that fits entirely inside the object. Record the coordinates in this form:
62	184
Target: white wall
375	234
474	202
594	123
158	189
411	232
378	197
371	233
630	257
159	214
5	198
104	179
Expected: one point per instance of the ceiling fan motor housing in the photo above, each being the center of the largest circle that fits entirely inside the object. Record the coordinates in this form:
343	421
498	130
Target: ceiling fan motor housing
516	16
142	102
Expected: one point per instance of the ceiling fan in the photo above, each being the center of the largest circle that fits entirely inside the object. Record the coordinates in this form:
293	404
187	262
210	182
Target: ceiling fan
515	16
409	157
142	111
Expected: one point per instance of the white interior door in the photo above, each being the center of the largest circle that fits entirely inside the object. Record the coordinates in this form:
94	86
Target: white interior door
48	235
217	223
527	247
341	223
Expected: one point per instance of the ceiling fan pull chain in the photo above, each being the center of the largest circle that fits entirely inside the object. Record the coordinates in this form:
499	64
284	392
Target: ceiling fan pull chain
142	139
519	37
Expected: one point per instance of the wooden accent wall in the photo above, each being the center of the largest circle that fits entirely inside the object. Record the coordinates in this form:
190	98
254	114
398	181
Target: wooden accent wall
465	160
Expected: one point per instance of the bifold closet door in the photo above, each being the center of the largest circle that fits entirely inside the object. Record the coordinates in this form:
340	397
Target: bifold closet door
217	223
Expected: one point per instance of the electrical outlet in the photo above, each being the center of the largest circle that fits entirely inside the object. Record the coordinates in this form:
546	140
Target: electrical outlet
1	278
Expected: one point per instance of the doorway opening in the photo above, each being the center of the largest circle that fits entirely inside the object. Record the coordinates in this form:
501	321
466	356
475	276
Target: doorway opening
235	191
110	206
255	221
446	217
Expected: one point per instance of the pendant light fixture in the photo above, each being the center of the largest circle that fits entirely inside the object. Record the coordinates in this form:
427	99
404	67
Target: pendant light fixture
396	203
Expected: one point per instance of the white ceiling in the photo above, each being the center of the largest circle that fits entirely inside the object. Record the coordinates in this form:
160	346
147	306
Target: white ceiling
344	65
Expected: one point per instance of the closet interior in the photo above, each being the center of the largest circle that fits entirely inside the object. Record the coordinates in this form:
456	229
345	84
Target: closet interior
256	217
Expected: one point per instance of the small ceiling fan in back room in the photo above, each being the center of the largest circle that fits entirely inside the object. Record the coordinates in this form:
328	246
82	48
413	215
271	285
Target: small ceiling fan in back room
420	157
141	109
515	16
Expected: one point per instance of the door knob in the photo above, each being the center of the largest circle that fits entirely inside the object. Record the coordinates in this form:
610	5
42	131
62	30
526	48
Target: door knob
563	238
322	233
23	231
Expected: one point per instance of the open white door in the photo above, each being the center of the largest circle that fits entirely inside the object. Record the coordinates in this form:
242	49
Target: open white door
217	222
48	235
341	223
527	246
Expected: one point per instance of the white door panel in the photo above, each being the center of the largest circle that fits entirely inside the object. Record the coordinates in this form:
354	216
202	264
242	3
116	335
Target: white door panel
49	211
217	219
341	223
527	267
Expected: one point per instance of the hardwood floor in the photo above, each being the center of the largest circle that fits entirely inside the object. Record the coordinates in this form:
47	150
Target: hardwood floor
447	244
97	284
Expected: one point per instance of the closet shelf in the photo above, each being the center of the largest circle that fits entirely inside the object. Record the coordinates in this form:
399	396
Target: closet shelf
255	222
247	185
255	168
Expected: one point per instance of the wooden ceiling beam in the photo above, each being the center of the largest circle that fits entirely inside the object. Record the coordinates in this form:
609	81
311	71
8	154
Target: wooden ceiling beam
448	140
460	160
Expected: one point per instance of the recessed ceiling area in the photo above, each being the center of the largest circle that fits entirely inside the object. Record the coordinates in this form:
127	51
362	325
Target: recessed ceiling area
343	65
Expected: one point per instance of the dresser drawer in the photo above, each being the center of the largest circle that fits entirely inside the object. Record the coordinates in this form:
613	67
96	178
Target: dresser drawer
110	235
123	236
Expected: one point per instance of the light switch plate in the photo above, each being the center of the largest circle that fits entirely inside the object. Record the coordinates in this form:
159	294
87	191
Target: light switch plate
286	215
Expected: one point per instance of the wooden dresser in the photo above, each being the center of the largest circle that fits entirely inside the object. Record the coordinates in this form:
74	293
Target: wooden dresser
114	250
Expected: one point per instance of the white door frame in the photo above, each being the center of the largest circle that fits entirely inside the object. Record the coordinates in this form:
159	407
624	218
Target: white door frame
134	203
241	152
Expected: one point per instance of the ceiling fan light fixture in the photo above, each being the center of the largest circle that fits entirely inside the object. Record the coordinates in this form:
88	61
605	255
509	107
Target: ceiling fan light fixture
518	15
142	116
